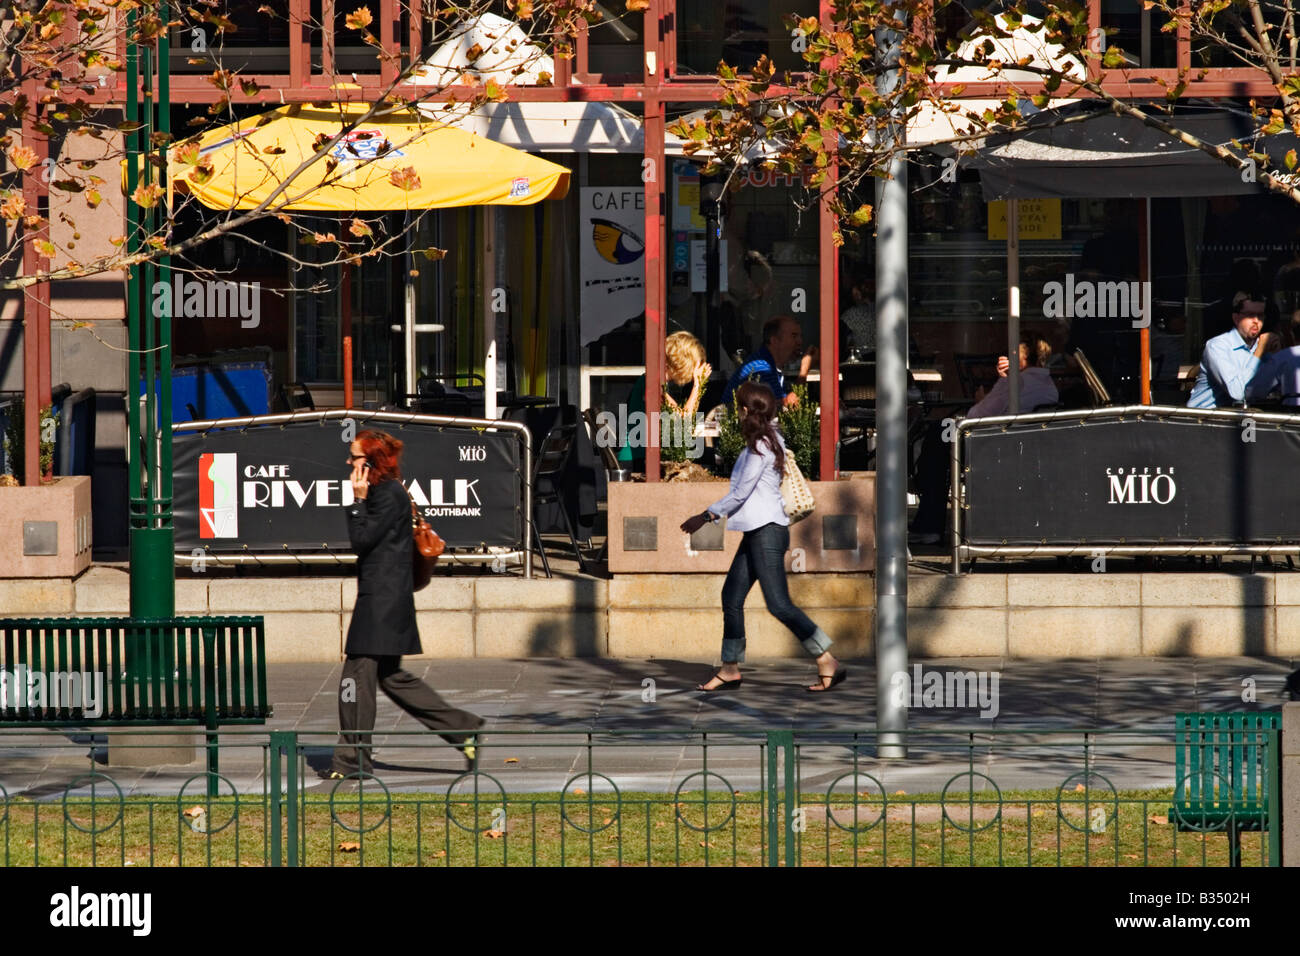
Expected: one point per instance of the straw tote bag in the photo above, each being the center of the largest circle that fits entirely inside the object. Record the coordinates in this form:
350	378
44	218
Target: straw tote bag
796	496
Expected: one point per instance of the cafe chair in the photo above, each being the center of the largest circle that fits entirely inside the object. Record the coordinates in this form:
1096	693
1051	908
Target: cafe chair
548	485
434	397
1090	377
296	396
605	449
858	384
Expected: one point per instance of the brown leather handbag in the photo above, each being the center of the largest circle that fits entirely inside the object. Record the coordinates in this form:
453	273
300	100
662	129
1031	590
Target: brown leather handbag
428	546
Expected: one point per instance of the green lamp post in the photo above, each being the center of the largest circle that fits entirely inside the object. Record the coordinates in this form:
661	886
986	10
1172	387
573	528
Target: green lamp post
149	416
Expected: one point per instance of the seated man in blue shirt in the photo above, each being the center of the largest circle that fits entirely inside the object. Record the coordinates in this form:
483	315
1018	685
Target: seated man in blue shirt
1231	360
782	341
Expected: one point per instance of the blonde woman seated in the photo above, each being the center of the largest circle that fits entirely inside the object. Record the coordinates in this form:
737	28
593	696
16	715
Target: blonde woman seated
687	374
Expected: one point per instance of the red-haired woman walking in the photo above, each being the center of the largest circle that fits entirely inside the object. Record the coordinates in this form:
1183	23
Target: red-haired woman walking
753	505
383	621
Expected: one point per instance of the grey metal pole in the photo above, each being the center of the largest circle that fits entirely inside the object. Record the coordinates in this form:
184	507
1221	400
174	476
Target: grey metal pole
410	366
1013	306
891	425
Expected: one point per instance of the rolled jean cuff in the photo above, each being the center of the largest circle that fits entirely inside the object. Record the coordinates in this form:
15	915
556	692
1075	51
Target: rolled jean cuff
816	644
733	650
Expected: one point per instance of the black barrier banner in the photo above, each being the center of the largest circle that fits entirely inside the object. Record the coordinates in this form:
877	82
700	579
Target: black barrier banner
278	487
1148	480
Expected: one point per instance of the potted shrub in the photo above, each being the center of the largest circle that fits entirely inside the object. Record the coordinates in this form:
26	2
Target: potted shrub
798	424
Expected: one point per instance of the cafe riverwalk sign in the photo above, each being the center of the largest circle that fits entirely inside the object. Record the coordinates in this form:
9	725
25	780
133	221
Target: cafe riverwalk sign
281	484
1132	480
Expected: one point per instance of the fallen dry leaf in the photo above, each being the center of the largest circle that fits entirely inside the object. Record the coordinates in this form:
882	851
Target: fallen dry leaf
579	792
607	821
900	793
706	843
349	846
1079	788
441	853
512	760
737	793
495	834
1160	821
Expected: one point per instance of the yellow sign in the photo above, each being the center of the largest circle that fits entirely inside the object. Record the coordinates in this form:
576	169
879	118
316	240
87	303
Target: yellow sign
1039	219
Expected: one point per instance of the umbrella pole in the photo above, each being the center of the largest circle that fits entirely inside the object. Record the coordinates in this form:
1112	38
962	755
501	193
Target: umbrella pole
1144	267
491	278
1013	306
345	294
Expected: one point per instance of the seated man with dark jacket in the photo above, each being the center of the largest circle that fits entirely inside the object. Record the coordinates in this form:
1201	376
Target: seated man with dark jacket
782	341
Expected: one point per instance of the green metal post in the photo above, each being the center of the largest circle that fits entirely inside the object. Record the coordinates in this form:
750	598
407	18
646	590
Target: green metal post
152	539
210	704
165	322
791	794
273	795
1273	787
781	800
773	801
292	796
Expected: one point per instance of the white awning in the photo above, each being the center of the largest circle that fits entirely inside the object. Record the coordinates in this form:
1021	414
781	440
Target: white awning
1021	43
548	127
483	47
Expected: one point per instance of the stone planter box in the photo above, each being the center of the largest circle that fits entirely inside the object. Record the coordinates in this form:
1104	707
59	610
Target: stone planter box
644	536
46	529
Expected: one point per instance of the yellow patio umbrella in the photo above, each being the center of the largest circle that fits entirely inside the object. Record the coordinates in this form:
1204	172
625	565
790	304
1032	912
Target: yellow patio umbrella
386	164
393	163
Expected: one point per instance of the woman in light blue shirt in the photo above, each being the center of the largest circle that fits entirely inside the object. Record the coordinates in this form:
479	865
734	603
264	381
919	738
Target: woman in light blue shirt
753	505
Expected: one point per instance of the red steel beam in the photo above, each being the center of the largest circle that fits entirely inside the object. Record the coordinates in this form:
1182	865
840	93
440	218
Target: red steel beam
326	43
390	28
828	302
655	278
36	300
415	30
299	48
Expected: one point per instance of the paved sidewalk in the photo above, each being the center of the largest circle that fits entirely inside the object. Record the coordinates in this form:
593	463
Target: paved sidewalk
572	699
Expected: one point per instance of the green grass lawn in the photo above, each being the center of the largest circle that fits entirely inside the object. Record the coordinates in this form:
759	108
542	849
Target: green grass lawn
637	829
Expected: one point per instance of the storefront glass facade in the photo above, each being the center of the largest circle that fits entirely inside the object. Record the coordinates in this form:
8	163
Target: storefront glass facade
557	338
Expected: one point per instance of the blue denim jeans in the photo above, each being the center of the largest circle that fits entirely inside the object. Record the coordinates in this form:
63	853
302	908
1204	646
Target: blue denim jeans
761	557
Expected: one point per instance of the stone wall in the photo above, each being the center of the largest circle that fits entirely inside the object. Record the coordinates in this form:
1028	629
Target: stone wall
679	616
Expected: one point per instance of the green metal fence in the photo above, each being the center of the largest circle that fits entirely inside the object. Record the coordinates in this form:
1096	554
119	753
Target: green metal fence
654	798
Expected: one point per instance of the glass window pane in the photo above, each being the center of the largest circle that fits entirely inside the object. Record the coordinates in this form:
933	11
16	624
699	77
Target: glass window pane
317	334
615	45
1229	24
955	23
739	32
1139	34
768	264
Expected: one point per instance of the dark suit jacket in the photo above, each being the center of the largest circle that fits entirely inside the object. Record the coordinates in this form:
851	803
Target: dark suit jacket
383	622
